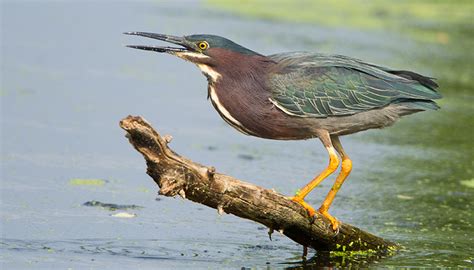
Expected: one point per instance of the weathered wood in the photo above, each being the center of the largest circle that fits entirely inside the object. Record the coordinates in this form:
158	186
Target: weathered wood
176	175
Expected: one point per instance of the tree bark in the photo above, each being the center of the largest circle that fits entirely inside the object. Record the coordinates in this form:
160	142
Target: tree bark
176	175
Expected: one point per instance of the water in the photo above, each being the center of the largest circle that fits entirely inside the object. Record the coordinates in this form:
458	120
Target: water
67	80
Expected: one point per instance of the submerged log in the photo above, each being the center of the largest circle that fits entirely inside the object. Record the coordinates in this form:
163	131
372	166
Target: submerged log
176	175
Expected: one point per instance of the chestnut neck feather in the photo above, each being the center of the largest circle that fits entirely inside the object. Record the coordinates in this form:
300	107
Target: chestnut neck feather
242	92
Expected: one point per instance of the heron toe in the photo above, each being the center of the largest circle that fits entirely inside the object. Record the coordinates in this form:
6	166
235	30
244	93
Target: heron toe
335	223
309	208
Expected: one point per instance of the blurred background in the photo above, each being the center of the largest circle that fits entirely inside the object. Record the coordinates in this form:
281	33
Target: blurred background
74	194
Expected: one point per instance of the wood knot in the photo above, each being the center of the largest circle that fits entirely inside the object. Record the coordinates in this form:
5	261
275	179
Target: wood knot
270	232
182	193
211	171
220	209
168	138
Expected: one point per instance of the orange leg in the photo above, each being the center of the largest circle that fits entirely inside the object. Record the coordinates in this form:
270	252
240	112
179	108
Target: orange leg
333	164
346	168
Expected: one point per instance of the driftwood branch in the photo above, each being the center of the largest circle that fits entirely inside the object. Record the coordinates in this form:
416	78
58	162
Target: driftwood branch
176	175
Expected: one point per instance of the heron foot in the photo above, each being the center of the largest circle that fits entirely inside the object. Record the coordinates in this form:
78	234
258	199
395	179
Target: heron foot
309	208
335	223
312	213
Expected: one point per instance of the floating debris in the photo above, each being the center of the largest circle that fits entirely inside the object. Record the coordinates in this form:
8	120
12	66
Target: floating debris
124	215
212	148
245	156
111	206
404	197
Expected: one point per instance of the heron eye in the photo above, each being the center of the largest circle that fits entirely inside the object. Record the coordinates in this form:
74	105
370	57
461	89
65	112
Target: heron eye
203	45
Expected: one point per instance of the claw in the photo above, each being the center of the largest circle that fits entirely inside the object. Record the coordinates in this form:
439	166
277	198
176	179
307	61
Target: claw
312	213
309	208
335	223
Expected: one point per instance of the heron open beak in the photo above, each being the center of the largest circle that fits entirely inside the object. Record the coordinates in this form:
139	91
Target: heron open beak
162	49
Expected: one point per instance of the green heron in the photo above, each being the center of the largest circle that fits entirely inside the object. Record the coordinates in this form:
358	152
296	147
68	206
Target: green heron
301	95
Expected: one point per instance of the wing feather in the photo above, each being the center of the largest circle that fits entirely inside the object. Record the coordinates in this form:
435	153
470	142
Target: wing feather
316	85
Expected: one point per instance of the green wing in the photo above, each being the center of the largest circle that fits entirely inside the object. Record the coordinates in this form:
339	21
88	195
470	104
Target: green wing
316	85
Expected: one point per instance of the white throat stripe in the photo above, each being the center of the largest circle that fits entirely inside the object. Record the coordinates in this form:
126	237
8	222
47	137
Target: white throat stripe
225	113
209	72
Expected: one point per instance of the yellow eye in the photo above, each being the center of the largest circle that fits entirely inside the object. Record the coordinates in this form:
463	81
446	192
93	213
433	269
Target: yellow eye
203	45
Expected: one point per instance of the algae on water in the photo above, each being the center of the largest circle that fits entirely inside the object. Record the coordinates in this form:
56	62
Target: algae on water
86	182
